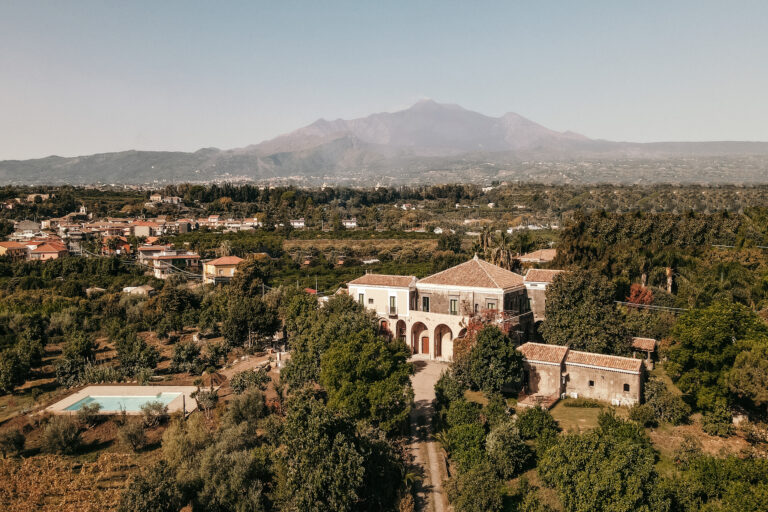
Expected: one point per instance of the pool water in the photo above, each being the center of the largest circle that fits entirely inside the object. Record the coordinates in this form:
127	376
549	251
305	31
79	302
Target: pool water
126	403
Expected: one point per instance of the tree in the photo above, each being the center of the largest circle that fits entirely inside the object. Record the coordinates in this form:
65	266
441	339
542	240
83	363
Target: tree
477	490
153	491
186	357
581	313
368	378
535	422
61	435
11	442
493	362
506	449
449	242
250	379
134	352
666	406
246	318
607	469
705	344
748	378
13	371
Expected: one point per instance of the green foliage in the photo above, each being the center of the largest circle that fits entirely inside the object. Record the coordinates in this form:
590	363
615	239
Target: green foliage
134	352
207	400
493	362
643	414
447	389
153	491
246	407
154	413
11	442
666	405
581	313
607	469
132	435
186	358
247	318
60	435
449	242
250	379
477	490
462	412
496	410
506	449
88	414
705	345
748	379
717	421
466	445
368	378
535	422
13	370
585	403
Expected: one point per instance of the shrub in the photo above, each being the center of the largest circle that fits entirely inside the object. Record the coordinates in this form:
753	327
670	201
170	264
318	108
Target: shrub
99	373
11	442
88	414
535	422
207	400
144	376
586	403
60	435
186	358
496	411
466	445
666	405
477	490
463	412
132	435
718	421
241	381
643	414
154	413
246	407
153	491
506	450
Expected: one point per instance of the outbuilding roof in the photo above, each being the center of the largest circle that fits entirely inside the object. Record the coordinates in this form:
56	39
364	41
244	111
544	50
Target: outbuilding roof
541	352
646	344
475	273
540	255
225	260
384	280
625	364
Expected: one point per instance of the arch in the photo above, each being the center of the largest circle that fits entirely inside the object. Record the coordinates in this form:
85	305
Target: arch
442	334
419	331
462	333
384	328
400	330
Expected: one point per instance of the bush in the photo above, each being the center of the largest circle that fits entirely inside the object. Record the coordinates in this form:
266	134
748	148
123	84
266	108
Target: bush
586	403
60	435
643	414
11	442
463	412
248	407
132	435
477	490
718	421
155	413
666	405
207	400
186	358
241	381
448	389
88	414
506	450
535	422
154	491
466	445
99	373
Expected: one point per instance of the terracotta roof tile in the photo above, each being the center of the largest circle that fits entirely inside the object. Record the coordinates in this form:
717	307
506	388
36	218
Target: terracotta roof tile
225	260
384	280
647	344
475	273
543	352
626	364
540	275
12	245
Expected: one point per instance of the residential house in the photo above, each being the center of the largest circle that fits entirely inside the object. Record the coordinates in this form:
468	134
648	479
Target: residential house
297	223
220	270
145	290
14	250
156	198
350	223
171	262
48	251
143	228
431	312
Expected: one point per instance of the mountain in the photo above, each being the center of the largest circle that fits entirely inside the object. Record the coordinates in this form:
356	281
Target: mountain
428	142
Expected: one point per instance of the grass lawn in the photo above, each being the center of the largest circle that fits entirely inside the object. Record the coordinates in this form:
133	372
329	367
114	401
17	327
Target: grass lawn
580	419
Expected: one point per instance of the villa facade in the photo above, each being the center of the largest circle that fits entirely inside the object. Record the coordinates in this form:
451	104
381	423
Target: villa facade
430	313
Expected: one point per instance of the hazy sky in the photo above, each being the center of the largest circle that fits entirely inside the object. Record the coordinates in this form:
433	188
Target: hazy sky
80	77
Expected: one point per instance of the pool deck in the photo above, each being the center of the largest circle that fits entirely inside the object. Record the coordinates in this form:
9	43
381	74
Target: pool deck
183	400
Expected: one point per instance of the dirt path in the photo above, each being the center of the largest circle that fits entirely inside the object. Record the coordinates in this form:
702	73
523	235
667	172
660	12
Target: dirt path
426	452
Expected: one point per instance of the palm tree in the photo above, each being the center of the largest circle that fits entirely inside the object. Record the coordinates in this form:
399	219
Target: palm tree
502	253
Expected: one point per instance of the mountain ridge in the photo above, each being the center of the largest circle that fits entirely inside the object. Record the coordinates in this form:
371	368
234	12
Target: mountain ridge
428	141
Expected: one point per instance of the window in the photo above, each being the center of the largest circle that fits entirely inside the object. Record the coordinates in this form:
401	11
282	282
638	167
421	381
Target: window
490	304
361	298
425	304
370	301
626	388
477	308
454	306
393	305
591	383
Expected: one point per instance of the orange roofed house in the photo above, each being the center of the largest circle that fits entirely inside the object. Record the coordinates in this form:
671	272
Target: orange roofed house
220	270
48	251
429	313
14	250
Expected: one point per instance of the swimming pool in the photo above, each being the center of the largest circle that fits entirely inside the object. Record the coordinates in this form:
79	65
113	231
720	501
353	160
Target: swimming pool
123	403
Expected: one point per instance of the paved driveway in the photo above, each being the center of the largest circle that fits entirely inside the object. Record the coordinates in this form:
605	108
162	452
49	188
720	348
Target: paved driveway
427	452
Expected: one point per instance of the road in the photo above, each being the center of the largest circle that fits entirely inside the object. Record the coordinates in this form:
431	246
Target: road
427	453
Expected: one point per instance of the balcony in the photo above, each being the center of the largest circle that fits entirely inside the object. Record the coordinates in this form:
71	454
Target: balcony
392	312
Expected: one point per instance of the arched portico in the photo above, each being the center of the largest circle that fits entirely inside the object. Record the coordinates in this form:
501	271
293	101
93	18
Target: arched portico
400	330
443	336
419	338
